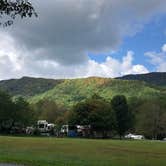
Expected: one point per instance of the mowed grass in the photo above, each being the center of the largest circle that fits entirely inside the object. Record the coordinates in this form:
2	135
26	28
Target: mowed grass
81	152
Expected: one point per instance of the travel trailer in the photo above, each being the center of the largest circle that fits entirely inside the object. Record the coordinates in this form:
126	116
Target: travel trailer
45	128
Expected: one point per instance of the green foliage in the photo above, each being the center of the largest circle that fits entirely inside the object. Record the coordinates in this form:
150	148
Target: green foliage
155	78
151	118
95	112
50	98
14	114
122	113
28	86
49	110
6	110
24	114
70	92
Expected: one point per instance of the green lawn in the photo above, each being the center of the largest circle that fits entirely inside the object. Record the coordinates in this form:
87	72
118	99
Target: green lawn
81	152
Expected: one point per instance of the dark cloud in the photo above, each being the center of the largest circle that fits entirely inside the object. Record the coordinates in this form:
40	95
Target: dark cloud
67	29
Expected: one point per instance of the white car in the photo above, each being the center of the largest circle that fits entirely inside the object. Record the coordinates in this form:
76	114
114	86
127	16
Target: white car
164	139
133	136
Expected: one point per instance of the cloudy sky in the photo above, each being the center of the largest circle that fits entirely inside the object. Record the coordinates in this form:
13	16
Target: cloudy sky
81	38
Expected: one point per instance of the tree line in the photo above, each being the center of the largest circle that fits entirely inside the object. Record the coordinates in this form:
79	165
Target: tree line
15	114
111	118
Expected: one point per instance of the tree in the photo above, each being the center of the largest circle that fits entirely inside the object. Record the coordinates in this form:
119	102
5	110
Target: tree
10	9
14	114
101	117
80	114
49	110
6	111
122	113
151	119
95	112
24	114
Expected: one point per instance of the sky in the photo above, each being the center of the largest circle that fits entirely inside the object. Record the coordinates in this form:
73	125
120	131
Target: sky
82	38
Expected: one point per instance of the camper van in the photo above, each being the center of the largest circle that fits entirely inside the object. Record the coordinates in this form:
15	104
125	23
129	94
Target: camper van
45	128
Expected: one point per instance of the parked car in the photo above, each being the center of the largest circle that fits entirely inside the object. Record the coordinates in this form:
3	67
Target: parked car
134	136
164	139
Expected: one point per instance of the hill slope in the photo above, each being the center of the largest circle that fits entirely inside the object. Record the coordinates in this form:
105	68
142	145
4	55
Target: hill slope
155	78
27	86
70	92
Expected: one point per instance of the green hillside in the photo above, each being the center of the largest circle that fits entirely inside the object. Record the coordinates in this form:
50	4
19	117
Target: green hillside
155	78
72	91
28	86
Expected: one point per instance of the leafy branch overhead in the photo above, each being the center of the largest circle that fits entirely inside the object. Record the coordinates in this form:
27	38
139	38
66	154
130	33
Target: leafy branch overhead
14	8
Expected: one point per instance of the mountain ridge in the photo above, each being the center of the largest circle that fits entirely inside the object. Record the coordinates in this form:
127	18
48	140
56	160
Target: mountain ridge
71	91
155	78
28	86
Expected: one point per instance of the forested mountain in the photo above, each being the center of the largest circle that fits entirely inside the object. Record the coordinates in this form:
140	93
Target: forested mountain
55	101
28	86
71	91
155	78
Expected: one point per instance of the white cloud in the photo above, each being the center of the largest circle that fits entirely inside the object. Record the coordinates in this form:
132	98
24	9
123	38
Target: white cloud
113	67
158	59
164	48
56	43
12	64
66	29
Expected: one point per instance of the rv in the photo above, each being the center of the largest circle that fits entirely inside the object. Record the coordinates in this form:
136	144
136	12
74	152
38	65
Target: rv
75	130
45	128
69	130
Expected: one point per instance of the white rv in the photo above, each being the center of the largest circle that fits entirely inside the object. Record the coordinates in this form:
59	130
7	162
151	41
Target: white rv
44	127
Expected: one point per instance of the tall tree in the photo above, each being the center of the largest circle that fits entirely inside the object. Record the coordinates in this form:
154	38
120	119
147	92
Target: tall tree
49	110
24	114
6	111
95	112
14	114
151	119
122	113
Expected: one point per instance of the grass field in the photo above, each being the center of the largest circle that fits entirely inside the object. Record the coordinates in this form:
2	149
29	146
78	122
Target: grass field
81	152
